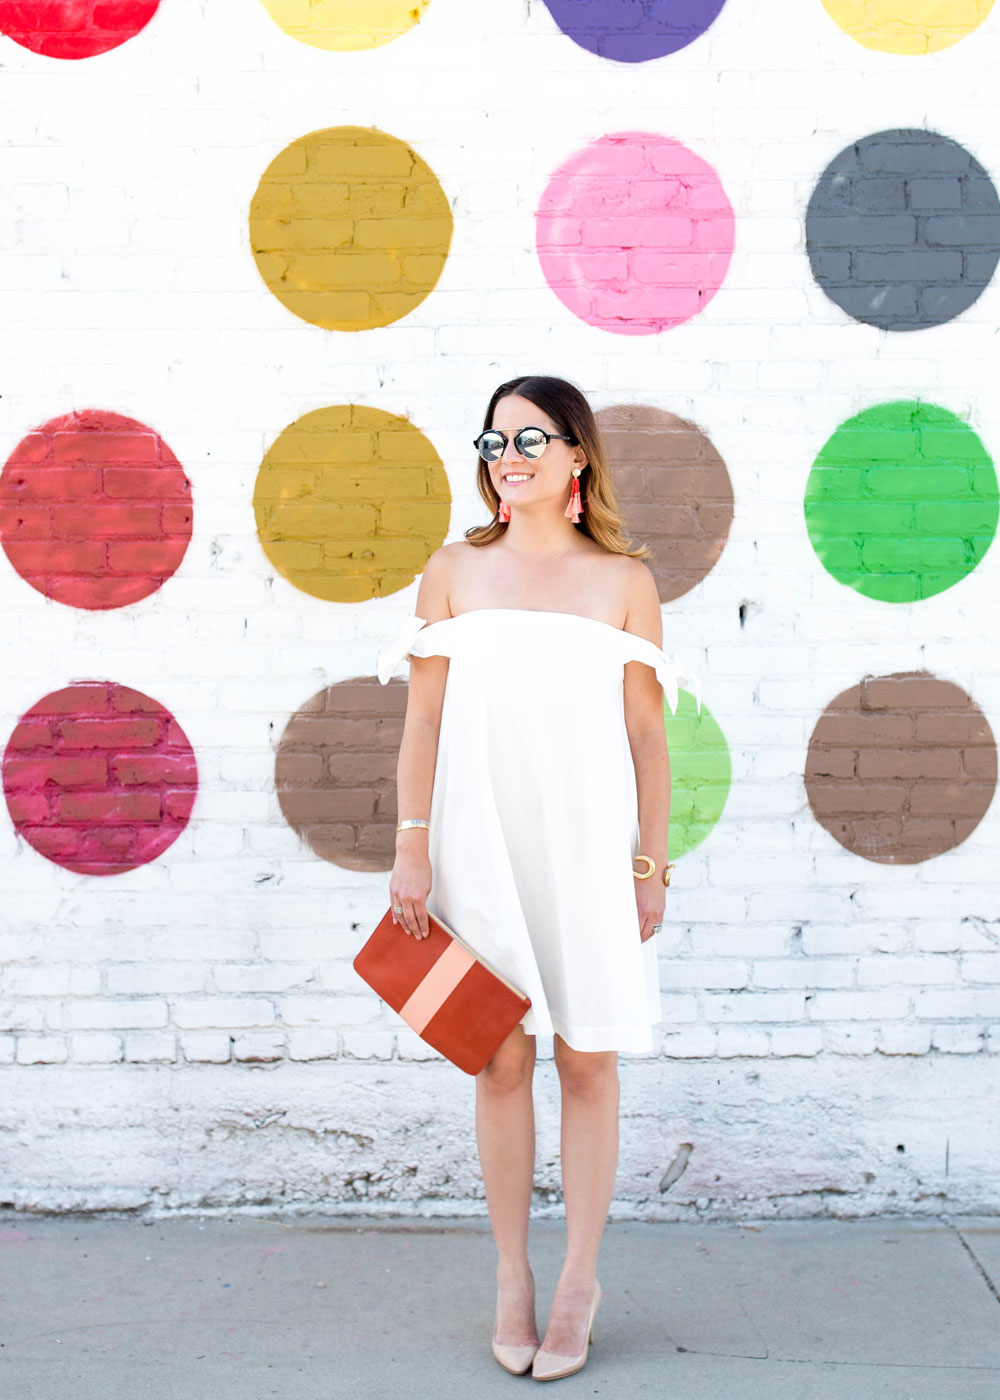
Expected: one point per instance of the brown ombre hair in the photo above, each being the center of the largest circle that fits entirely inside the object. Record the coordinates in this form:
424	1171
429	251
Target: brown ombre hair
571	413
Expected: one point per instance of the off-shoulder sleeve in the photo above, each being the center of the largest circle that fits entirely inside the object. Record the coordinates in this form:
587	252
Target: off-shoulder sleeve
671	674
393	654
417	637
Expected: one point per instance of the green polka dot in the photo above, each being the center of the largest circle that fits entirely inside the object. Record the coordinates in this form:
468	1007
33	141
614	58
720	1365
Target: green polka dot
700	774
902	502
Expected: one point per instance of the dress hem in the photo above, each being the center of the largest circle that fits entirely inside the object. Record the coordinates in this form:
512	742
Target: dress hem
629	1040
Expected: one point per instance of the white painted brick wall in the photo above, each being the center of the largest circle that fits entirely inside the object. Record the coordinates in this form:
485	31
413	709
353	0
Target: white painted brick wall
126	284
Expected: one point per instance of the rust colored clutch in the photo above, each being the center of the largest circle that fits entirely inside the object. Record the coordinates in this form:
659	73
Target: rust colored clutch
454	1000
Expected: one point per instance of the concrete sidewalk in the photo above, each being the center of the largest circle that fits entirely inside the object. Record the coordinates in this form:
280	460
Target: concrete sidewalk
235	1307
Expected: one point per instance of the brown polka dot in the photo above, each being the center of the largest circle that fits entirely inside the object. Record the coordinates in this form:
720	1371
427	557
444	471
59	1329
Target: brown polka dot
674	489
335	772
901	768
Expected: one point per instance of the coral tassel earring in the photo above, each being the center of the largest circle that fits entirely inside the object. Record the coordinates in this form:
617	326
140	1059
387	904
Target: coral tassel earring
575	508
504	512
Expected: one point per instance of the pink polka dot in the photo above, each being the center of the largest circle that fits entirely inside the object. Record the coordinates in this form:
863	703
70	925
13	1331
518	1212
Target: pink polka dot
635	233
99	778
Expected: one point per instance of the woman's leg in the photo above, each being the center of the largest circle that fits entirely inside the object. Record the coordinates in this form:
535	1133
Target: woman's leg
505	1131
590	1097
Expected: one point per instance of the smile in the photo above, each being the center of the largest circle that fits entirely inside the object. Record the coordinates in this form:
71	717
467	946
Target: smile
519	476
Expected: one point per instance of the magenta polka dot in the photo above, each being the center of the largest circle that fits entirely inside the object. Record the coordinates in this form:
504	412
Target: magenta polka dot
99	778
635	233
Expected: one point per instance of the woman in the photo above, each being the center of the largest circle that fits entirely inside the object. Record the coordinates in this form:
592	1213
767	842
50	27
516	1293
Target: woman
532	773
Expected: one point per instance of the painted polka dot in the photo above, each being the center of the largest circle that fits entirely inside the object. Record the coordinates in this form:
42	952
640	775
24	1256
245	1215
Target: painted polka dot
95	510
901	768
635	233
350	228
346	24
74	28
700	773
99	778
634	31
902	502
903	230
908	26
335	772
675	492
351	502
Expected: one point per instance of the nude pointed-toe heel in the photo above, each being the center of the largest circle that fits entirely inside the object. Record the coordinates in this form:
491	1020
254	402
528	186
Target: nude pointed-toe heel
552	1366
516	1360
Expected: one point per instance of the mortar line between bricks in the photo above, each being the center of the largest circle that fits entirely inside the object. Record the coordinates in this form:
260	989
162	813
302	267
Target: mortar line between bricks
974	1257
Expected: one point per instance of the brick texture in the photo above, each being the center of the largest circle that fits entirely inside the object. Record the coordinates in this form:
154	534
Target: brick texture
838	924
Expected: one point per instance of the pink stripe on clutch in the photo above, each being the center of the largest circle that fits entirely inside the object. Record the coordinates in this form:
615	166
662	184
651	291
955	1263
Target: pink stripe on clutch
433	990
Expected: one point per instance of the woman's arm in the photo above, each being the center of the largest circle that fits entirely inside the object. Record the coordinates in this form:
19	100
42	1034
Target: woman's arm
648	741
410	882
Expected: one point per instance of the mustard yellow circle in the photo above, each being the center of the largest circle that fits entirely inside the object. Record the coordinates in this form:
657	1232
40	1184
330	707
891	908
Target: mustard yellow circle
346	24
908	26
350	503
350	228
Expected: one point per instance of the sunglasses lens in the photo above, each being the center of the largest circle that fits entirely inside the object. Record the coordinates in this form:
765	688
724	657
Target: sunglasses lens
531	443
491	447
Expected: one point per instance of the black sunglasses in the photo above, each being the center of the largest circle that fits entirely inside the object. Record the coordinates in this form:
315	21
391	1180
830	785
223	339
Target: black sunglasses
530	443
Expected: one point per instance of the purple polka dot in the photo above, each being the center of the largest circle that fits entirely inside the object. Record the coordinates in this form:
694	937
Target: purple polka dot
635	233
633	31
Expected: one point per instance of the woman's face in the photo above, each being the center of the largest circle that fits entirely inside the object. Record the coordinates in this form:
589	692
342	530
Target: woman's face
515	477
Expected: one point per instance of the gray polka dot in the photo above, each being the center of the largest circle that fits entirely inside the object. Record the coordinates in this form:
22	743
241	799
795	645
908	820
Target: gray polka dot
903	230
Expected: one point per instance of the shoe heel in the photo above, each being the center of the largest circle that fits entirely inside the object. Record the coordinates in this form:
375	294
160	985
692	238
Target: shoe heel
597	1299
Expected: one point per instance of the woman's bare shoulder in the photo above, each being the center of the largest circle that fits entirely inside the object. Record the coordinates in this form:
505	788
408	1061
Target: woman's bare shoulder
454	563
640	597
436	584
630	577
448	558
458	550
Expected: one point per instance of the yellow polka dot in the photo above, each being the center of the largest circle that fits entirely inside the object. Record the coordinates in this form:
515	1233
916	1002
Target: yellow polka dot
350	229
346	24
908	26
350	503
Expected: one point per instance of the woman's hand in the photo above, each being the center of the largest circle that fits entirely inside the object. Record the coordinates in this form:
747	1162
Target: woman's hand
651	900
409	886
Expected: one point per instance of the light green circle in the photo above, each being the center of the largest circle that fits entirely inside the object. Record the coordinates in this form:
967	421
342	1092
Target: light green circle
902	502
700	773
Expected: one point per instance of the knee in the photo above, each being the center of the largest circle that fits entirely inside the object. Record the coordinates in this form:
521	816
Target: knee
511	1068
587	1073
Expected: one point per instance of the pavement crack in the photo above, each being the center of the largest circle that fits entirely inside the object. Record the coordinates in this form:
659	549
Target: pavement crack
751	1324
973	1256
84	1327
724	1355
833	1361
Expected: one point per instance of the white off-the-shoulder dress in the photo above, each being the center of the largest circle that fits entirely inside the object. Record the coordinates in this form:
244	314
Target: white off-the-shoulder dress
534	813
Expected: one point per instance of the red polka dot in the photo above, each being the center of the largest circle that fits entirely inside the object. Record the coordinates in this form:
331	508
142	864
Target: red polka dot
95	510
99	778
74	28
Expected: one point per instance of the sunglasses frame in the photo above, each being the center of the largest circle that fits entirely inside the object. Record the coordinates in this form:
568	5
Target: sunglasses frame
549	437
